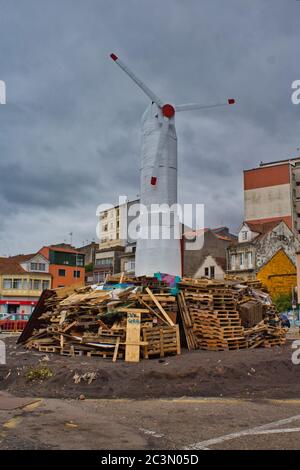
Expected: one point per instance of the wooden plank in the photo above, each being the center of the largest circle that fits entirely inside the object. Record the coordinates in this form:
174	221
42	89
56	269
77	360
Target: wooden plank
133	333
158	305
178	339
116	349
153	311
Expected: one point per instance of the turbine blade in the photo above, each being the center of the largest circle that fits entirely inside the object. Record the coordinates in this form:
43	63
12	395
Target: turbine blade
160	147
194	106
139	82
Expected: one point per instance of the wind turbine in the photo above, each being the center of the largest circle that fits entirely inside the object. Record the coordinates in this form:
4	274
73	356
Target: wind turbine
158	172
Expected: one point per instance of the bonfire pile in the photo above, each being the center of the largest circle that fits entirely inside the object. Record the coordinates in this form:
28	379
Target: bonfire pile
226	315
122	321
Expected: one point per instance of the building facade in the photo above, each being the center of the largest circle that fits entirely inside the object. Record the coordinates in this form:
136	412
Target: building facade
22	280
114	223
279	275
107	262
66	265
212	267
272	193
265	251
211	242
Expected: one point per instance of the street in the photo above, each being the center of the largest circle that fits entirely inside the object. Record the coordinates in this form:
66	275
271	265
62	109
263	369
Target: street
173	424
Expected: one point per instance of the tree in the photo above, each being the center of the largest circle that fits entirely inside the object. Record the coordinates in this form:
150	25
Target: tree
283	302
89	268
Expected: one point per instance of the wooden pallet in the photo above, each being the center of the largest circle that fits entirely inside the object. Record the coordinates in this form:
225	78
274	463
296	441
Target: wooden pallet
49	349
161	340
237	343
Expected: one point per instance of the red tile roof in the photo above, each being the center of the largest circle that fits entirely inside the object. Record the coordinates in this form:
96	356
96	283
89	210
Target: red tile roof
263	228
11	266
63	249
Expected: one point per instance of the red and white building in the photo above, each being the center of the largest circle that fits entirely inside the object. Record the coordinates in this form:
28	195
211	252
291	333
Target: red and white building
272	192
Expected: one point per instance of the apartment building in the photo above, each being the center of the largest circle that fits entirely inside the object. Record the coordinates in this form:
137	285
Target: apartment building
114	223
22	280
272	193
66	265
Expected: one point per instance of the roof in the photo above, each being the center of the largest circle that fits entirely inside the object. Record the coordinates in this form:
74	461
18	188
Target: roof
264	227
64	249
12	265
275	163
221	261
217	232
23	258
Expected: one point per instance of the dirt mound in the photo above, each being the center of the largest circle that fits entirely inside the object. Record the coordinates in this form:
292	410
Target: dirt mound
248	373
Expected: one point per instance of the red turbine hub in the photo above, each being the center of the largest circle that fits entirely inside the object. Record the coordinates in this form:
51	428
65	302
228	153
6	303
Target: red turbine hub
168	110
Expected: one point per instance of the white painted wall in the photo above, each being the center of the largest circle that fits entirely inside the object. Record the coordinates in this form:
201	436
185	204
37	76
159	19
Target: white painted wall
207	263
271	201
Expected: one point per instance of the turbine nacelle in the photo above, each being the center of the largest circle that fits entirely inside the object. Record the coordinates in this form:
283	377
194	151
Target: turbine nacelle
168	112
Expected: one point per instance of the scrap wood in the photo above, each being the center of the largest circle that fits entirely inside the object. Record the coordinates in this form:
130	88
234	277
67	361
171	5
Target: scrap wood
95	322
214	310
164	313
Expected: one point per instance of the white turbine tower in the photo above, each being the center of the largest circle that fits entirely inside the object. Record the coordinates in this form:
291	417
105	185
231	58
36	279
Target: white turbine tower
159	183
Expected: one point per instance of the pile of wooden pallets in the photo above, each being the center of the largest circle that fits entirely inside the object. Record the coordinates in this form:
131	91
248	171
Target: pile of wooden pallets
123	322
210	314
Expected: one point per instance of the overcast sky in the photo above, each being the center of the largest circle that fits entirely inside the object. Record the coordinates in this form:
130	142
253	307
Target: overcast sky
70	131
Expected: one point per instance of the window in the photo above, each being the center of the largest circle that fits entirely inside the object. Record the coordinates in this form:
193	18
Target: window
80	261
232	261
244	235
25	284
7	283
36	284
212	272
37	267
77	274
241	260
206	272
17	283
46	285
250	258
62	272
104	262
130	266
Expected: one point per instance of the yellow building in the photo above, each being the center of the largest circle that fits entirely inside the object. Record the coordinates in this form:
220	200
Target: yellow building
22	280
279	274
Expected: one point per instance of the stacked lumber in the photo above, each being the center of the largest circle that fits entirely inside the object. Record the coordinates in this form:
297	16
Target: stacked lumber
214	315
116	323
265	335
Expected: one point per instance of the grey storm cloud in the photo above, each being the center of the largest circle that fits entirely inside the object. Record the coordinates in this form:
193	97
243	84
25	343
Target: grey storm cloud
70	131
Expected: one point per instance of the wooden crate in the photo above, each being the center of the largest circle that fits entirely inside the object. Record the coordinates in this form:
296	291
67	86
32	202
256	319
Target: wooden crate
162	341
